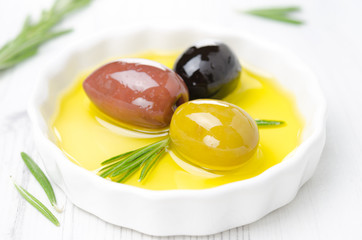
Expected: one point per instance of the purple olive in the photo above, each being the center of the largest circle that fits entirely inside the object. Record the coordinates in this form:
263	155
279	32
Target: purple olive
139	92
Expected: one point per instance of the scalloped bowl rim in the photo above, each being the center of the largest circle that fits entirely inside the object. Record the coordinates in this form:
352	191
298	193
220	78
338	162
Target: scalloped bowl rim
292	158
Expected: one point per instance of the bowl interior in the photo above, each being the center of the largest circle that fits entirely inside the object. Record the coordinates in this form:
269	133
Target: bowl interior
244	201
262	57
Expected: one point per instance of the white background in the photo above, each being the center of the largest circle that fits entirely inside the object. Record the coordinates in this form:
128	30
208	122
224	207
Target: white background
329	206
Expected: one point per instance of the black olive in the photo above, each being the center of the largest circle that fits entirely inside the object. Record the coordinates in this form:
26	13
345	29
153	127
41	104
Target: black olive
209	70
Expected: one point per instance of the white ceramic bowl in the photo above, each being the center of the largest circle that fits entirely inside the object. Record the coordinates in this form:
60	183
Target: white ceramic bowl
180	212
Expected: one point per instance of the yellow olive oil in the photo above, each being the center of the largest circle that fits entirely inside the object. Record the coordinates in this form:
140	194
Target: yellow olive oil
88	137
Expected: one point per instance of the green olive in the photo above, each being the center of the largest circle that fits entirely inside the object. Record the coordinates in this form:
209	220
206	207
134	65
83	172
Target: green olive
213	134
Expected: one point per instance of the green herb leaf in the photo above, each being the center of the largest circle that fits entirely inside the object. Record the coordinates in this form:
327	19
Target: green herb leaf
265	123
275	10
37	204
277	14
41	178
149	165
32	35
126	164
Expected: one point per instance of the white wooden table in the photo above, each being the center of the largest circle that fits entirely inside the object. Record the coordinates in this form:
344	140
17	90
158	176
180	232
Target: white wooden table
329	206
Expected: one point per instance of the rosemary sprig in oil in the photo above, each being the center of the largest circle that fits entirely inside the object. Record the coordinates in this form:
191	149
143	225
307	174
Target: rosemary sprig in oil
122	166
268	123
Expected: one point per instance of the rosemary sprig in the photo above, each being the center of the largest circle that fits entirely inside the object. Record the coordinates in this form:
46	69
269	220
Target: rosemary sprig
32	35
37	204
278	14
41	178
122	166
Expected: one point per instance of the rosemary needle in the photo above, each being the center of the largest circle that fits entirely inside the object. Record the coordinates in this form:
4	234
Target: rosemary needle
268	123
149	165
37	204
277	13
41	178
